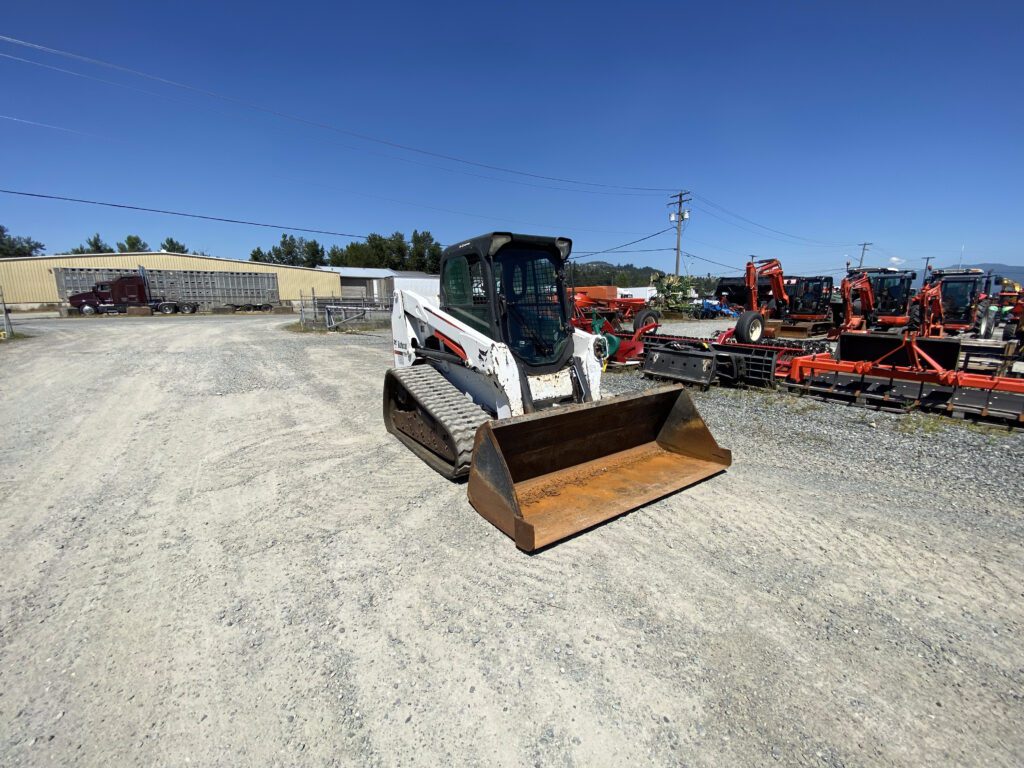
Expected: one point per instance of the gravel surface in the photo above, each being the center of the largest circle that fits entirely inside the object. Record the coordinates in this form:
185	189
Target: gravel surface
211	552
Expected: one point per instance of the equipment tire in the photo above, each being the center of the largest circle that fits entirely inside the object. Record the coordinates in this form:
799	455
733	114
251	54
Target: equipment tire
87	309
914	318
750	327
645	317
165	309
985	326
1010	331
986	323
266	307
186	309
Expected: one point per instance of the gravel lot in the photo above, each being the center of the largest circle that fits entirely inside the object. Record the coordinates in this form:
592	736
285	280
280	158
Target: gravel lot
211	552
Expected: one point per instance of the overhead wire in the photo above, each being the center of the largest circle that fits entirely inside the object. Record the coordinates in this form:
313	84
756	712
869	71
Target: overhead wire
182	213
46	125
322	125
616	247
725	210
335	142
375	197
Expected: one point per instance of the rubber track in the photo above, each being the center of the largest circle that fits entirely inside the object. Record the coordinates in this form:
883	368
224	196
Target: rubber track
448	405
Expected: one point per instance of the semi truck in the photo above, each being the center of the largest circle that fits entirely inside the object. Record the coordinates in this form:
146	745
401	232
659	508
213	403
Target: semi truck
115	296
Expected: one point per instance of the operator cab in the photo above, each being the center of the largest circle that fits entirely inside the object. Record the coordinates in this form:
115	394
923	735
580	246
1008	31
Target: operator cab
893	288
961	289
809	295
512	288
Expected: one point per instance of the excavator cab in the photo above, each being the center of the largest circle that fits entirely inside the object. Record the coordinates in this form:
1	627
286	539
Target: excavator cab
892	289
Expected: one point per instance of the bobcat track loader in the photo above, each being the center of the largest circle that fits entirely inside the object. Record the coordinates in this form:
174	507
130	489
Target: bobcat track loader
495	383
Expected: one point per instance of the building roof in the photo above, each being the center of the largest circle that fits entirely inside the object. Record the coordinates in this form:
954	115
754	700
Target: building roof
375	273
367	272
156	253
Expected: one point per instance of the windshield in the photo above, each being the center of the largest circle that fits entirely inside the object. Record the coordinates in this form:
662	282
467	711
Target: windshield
809	295
532	304
956	299
891	294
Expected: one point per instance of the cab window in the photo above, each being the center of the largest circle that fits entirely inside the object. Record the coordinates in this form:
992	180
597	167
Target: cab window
465	292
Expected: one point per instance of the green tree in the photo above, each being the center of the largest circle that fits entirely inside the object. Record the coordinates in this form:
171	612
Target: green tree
422	253
313	254
133	244
12	247
292	251
425	253
337	256
173	246
605	273
93	244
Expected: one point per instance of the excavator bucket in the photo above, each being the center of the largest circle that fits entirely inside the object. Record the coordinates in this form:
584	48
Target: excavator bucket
545	476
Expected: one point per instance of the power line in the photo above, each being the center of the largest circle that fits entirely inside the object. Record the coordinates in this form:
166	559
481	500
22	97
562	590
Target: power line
633	250
378	197
352	147
317	124
716	263
461	213
762	226
616	247
764	234
181	213
46	125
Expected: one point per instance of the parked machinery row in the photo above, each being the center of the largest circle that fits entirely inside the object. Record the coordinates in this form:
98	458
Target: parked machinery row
895	348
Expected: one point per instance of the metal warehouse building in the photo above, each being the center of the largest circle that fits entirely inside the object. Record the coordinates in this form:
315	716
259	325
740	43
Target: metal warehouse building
372	284
36	280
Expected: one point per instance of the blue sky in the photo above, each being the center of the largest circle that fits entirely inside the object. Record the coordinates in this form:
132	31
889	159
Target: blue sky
896	123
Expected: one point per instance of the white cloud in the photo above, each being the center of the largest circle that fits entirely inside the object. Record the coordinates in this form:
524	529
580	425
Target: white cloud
895	261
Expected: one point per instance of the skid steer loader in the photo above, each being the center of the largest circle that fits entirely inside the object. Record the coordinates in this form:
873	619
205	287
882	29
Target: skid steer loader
495	383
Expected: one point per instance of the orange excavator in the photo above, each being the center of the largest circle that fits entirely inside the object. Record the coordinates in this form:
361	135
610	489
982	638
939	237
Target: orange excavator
752	322
858	284
801	311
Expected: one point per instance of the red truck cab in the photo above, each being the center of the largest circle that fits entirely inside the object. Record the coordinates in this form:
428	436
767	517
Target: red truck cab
115	296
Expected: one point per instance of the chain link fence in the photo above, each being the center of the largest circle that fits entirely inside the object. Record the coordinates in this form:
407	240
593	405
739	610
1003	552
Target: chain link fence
342	312
6	329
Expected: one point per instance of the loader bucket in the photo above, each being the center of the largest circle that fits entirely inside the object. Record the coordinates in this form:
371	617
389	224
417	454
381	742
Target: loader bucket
546	476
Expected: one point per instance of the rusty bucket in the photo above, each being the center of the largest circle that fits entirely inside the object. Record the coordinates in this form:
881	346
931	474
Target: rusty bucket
546	476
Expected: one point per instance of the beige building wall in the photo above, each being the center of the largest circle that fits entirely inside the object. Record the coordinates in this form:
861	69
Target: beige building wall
31	280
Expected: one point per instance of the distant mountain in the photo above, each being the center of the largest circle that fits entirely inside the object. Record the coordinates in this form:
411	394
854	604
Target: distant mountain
1014	272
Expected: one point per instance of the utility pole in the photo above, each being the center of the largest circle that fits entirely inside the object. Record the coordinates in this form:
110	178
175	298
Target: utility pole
679	216
863	249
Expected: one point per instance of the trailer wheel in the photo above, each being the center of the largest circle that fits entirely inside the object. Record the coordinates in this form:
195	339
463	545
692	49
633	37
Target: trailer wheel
267	307
165	309
750	327
87	309
645	317
186	309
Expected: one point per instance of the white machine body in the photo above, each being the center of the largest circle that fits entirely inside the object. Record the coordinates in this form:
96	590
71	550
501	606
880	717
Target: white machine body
415	319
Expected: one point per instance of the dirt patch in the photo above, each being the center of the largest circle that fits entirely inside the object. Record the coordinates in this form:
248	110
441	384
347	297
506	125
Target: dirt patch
211	551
